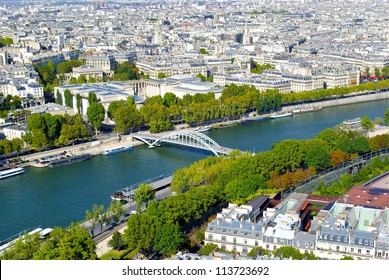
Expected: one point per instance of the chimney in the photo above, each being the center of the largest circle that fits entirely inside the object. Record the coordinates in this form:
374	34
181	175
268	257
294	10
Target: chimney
241	224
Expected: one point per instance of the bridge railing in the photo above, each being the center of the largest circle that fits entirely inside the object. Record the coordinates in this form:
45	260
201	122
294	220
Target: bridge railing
334	173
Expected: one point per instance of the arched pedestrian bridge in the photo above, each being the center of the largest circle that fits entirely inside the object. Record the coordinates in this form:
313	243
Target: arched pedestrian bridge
187	138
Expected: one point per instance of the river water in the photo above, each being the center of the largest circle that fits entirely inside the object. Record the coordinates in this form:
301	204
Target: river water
55	197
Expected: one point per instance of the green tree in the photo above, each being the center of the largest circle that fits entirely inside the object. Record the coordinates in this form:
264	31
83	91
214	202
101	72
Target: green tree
92	98
377	72
116	211
17	144
161	75
68	98
170	99
386	117
117	242
385	71
96	114
58	98
39	139
6	146
79	102
141	231
127	117
113	106
366	123
23	249
318	157
72	243
82	79
203	51
168	238
93	216
36	121
144	193
347	258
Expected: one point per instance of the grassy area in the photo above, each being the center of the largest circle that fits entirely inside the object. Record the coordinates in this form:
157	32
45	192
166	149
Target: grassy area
207	249
126	254
130	254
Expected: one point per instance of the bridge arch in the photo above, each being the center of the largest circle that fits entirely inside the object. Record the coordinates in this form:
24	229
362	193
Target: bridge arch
183	137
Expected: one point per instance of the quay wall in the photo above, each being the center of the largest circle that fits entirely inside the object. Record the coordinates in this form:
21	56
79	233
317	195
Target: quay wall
343	101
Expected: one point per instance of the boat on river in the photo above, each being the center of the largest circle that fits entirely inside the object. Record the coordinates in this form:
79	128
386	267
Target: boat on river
11	172
281	115
117	150
251	120
300	110
352	121
203	128
68	160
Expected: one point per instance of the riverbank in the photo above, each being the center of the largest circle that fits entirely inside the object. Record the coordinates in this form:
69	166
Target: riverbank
339	101
112	141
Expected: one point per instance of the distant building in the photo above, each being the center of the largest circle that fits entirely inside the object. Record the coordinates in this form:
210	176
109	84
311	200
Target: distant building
16	131
105	92
107	63
171	68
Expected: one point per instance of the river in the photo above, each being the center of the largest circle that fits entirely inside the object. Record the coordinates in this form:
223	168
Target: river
55	197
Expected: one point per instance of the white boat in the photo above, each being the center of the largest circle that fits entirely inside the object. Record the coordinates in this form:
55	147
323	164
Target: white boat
117	150
280	115
203	129
352	121
301	110
11	172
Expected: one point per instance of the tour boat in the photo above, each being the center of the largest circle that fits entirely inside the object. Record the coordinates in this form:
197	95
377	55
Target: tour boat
280	115
203	129
352	121
301	110
117	150
11	172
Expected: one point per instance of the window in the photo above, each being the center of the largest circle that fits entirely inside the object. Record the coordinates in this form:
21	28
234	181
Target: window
371	243
367	252
234	240
245	241
359	251
210	236
256	243
224	239
338	238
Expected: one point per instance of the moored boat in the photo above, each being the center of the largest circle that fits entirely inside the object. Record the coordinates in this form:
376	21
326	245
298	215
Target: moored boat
203	128
280	115
250	120
117	150
68	160
11	172
352	121
300	110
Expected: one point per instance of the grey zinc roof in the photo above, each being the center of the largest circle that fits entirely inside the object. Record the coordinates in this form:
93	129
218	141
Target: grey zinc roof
334	231
363	234
302	238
